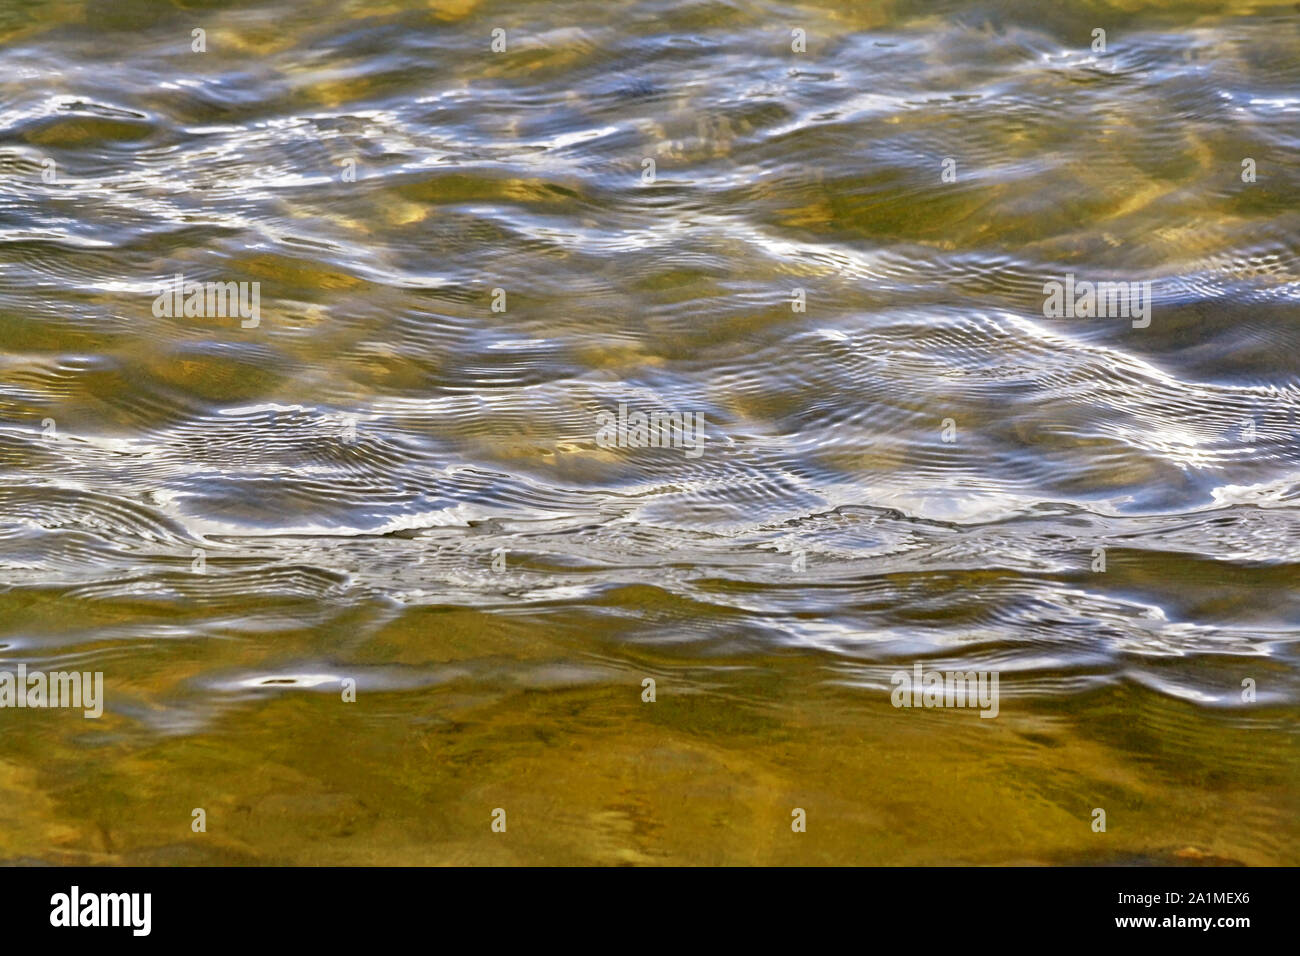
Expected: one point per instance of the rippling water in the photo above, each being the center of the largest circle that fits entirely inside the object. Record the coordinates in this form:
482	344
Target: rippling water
386	480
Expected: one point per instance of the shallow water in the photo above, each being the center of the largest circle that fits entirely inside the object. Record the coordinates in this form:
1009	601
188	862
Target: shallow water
388	482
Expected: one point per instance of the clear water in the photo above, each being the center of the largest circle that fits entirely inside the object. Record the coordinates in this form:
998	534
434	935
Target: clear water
349	469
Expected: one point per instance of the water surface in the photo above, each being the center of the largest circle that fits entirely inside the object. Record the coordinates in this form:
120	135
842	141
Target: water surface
350	469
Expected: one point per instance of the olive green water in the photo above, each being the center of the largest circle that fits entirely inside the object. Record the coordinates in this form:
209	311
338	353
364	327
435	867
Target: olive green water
385	481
